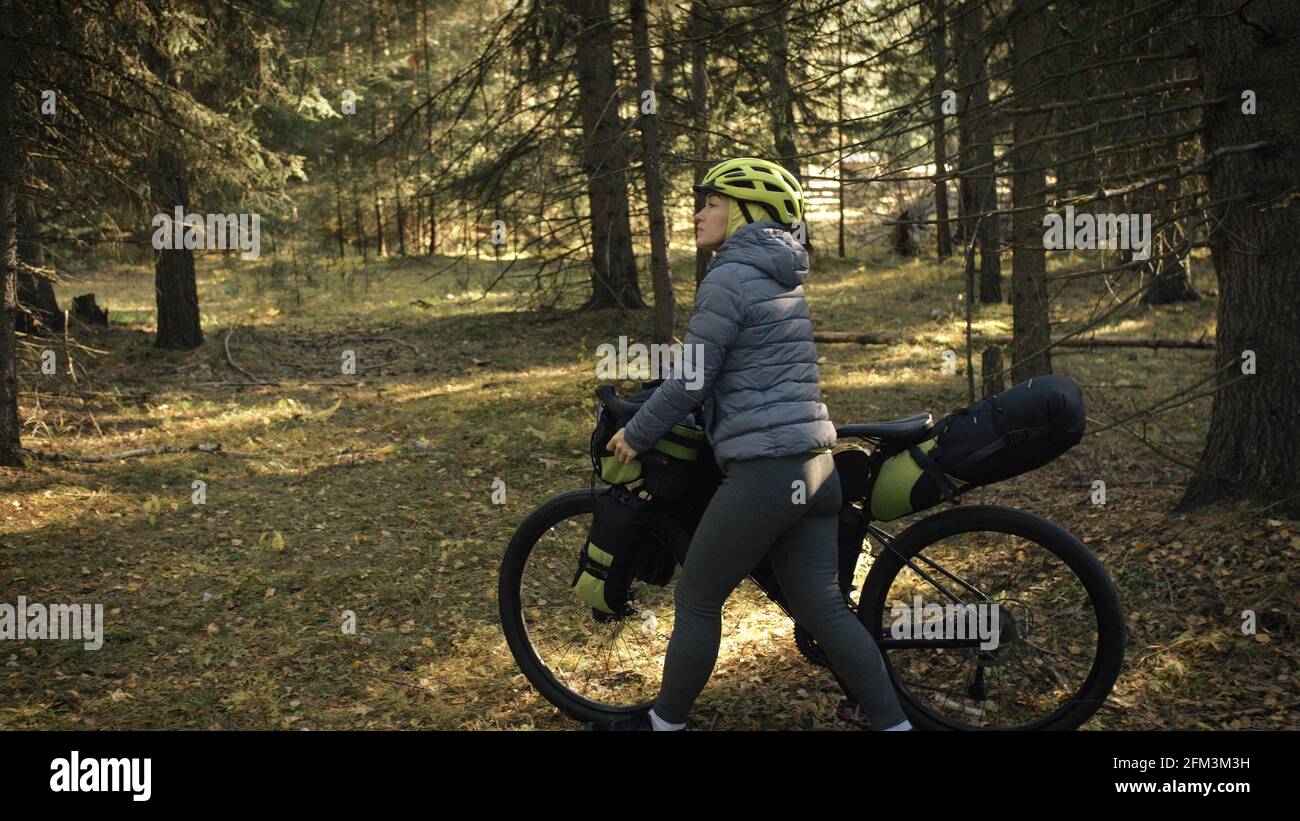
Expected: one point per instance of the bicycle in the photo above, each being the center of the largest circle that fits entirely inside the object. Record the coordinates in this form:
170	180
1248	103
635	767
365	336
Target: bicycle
594	667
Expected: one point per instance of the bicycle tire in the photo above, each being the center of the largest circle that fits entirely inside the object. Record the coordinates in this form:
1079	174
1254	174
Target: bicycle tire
530	531
1112	632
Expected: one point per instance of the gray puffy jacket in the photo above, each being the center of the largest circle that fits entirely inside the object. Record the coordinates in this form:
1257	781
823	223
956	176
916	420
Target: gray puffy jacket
760	386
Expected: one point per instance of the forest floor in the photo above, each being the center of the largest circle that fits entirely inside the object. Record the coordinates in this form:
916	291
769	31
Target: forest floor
371	493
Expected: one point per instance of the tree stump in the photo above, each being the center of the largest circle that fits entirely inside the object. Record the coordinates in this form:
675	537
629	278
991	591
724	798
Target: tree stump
900	235
1170	285
85	309
39	312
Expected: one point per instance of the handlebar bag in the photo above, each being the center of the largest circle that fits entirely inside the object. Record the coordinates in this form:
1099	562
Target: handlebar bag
610	470
1005	435
665	469
614	551
670	464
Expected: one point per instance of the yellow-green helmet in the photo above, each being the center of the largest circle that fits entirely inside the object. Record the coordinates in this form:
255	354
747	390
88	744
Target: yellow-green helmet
750	179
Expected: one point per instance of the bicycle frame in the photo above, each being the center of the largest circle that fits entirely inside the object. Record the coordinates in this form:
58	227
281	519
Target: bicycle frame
687	515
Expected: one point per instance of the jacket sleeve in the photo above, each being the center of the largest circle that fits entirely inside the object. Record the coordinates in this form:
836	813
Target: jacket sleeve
719	315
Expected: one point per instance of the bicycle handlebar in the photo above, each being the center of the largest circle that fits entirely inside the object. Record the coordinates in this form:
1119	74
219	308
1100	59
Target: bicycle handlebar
621	407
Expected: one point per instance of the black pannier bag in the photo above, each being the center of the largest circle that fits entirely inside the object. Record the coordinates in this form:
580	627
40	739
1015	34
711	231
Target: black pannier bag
1005	435
614	552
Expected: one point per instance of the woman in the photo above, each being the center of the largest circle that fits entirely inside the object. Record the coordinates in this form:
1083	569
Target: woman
772	438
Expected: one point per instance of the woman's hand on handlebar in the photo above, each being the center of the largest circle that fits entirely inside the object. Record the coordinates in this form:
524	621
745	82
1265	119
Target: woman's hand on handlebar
622	450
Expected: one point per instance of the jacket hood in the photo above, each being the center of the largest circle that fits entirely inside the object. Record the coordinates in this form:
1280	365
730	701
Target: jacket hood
768	247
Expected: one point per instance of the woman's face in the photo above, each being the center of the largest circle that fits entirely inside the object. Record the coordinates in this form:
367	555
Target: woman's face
711	221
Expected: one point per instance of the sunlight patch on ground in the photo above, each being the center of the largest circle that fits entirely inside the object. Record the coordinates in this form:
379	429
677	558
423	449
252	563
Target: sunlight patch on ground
866	378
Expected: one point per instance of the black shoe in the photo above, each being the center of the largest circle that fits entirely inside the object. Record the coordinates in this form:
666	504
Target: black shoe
635	721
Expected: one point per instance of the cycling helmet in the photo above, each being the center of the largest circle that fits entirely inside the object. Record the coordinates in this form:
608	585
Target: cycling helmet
750	179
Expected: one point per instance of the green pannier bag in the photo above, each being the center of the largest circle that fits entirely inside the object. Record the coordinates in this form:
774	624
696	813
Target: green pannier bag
614	552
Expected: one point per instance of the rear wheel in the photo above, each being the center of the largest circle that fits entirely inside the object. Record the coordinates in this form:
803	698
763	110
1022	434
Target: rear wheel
588	667
1053	621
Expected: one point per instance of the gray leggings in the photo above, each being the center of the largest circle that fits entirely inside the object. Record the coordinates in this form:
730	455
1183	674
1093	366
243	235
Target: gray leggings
754	514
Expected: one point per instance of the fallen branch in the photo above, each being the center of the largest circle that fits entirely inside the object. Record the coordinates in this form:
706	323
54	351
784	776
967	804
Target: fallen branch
203	447
868	338
229	333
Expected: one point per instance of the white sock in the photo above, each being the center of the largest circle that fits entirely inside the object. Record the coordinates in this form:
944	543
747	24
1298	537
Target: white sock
906	725
659	724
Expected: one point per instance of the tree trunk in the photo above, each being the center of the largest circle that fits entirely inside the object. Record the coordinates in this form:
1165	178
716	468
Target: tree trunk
1031	326
943	238
839	130
38	306
1253	436
992	379
418	239
433	228
10	426
176	293
975	132
338	197
613	276
401	219
357	218
381	246
783	125
428	123
654	186
700	26
965	41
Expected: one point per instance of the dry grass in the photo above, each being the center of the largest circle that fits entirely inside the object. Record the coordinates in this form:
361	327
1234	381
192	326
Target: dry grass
372	494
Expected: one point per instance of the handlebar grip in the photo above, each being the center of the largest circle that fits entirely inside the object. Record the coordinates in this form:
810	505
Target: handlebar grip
621	407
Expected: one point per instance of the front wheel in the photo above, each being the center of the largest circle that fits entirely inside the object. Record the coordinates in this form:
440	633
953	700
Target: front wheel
992	618
587	665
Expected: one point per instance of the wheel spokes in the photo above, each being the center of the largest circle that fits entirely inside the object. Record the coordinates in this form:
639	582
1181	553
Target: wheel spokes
615	663
1047	634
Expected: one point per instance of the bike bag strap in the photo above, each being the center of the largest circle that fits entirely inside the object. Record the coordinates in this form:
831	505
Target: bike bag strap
926	464
852	530
1012	437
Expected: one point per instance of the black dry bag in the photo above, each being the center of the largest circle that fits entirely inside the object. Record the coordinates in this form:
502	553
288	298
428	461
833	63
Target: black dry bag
1005	435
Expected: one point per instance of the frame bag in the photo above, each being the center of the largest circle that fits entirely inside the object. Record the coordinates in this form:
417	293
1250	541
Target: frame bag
1005	435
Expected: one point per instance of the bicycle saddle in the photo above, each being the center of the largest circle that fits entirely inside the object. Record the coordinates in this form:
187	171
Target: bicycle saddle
906	431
